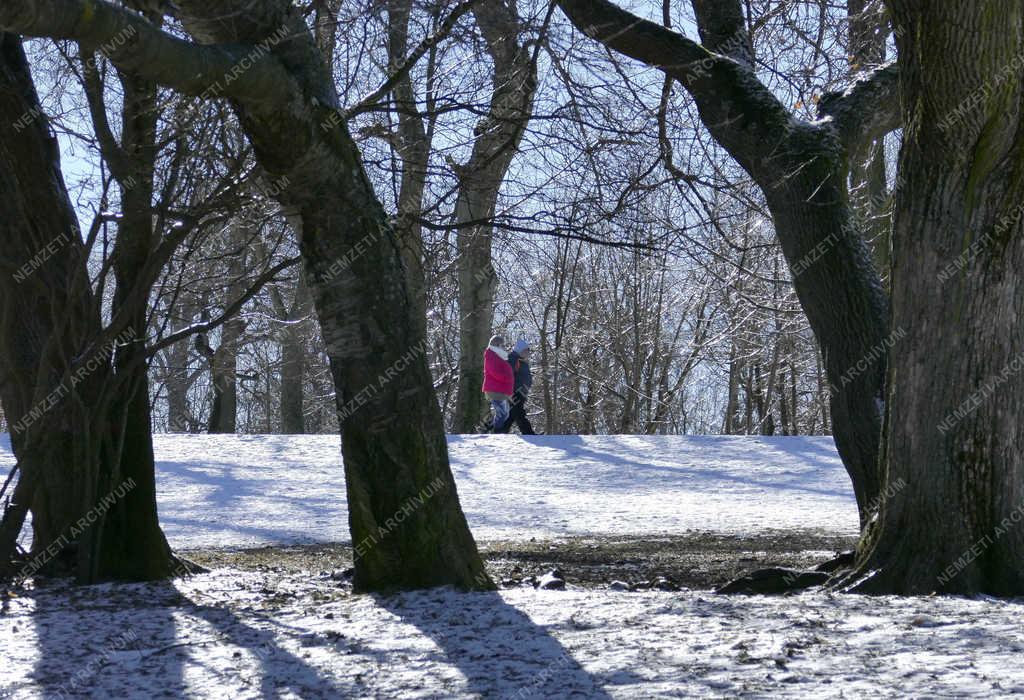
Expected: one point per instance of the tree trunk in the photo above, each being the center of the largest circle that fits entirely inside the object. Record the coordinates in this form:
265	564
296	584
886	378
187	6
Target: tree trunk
954	492
224	360
802	168
407	526
46	317
130	544
294	349
178	376
732	404
783	405
224	378
499	134
414	150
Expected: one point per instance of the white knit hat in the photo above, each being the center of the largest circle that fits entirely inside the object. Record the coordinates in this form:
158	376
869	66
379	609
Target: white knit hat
521	346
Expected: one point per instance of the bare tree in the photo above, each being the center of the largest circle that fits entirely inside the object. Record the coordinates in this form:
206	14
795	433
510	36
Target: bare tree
392	436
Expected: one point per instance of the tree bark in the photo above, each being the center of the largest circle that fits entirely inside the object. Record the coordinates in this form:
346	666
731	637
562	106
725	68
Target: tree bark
414	151
408	528
129	544
954	492
868	188
46	317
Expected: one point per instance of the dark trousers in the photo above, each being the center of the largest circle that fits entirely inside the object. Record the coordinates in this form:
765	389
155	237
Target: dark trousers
517	415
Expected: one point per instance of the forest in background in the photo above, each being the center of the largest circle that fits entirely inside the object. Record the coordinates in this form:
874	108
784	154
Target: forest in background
640	262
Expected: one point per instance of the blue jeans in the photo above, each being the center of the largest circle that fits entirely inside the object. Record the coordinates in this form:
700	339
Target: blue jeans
500	415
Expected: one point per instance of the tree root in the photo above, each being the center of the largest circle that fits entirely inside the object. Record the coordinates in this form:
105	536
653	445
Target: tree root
186	567
782	581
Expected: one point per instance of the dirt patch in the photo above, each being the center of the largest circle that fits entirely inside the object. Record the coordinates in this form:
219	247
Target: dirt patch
694	560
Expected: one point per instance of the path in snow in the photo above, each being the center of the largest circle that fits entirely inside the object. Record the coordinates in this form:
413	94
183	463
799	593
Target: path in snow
228	491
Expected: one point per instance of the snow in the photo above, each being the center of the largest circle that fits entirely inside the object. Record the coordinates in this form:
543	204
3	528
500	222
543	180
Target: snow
247	490
249	635
269	634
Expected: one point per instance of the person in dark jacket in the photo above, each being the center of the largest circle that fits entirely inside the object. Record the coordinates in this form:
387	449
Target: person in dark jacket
518	358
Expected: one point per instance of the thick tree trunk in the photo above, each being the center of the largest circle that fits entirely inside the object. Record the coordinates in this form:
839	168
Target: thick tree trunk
132	546
953	501
514	85
407	526
46	316
839	290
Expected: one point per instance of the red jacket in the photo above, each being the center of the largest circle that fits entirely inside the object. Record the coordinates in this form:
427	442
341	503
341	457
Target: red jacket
498	375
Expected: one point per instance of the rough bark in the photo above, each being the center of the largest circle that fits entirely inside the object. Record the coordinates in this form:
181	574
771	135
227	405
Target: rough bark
950	520
46	315
802	169
498	135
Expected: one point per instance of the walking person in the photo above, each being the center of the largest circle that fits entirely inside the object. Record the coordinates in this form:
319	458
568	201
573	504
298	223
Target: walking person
499	381
518	359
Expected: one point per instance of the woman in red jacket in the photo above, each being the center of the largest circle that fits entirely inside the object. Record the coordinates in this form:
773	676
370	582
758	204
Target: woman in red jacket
499	381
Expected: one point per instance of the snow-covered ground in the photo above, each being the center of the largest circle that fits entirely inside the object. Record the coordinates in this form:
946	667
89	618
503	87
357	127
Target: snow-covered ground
234	635
216	490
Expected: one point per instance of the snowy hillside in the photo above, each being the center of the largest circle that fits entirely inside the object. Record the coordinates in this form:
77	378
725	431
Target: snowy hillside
217	490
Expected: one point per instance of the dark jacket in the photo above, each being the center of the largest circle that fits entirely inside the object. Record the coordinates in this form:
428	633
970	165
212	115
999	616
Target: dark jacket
524	380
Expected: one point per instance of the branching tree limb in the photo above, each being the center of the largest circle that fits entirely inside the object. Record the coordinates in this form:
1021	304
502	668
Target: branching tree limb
137	46
866	111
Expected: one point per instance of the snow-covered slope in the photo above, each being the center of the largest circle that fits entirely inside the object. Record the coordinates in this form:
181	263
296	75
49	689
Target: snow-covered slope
217	490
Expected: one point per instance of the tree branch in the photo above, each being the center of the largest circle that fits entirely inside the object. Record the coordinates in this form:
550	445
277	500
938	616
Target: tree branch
867	110
370	101
737	108
236	306
135	45
723	29
117	159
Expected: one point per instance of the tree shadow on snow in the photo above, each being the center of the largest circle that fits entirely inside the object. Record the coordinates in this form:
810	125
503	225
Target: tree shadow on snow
501	652
128	640
279	670
715	463
91	640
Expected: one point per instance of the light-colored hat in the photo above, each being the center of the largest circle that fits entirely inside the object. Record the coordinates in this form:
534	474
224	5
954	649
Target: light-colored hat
521	346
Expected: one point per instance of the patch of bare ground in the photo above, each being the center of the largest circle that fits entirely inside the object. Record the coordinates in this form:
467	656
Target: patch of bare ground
695	560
